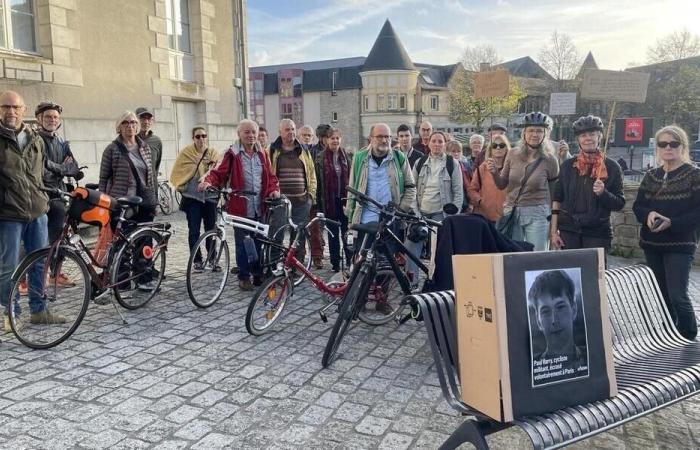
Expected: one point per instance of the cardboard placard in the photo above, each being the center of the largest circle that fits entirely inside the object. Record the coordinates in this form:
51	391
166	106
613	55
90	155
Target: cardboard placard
562	103
615	86
491	84
533	331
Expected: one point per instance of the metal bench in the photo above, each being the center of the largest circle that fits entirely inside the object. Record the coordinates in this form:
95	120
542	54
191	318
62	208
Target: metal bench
654	364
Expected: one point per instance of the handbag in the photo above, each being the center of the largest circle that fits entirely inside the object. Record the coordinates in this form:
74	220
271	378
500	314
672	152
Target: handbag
506	223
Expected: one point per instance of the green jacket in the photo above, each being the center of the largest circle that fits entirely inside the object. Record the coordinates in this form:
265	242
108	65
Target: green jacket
403	189
21	177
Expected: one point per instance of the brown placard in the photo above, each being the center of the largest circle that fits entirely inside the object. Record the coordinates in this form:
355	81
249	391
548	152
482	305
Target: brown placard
613	85
491	84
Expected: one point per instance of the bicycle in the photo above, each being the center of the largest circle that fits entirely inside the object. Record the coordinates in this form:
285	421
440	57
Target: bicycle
207	279
132	272
365	267
271	297
165	197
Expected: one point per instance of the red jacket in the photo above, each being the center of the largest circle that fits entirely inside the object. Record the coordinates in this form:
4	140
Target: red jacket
231	169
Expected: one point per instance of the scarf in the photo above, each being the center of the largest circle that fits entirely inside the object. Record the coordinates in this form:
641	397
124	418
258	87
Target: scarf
330	180
186	162
591	164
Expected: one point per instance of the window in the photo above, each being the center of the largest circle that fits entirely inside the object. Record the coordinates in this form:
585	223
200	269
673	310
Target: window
334	116
380	103
17	30
366	102
434	102
296	82
402	102
393	101
285	87
177	22
286	111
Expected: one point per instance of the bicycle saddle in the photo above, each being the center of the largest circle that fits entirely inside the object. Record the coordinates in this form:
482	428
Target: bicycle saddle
369	227
130	201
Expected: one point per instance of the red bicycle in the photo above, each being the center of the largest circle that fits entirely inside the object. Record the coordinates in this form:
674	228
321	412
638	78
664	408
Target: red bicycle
265	308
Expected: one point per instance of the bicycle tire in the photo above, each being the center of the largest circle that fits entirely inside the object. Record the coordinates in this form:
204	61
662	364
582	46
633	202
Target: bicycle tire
385	289
206	277
272	256
125	285
178	197
57	332
352	300
165	199
262	298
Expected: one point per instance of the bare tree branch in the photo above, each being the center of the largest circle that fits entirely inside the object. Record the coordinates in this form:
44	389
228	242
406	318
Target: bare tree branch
677	45
560	57
473	57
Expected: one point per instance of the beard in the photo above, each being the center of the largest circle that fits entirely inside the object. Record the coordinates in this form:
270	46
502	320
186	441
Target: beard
381	149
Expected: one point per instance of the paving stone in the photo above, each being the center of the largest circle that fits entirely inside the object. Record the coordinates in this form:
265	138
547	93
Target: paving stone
393	441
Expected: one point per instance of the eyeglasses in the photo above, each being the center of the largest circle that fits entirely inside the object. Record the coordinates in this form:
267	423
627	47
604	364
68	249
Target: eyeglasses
382	137
12	107
672	144
494	145
425	129
130	122
200	136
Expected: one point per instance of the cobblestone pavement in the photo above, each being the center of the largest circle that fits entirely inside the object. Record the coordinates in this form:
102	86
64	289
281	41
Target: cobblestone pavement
180	377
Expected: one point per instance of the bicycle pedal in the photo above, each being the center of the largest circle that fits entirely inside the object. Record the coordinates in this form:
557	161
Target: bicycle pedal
104	298
324	318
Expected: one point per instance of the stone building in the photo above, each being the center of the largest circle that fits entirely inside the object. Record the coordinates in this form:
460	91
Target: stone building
184	59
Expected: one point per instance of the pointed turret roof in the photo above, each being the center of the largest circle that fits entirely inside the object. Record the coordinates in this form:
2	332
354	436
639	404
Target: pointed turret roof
388	53
588	63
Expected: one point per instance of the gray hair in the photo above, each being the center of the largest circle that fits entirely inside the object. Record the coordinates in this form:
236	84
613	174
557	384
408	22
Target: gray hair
477	137
287	121
249	122
124	116
307	127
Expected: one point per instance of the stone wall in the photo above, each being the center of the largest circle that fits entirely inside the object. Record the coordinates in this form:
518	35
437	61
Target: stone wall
626	228
347	104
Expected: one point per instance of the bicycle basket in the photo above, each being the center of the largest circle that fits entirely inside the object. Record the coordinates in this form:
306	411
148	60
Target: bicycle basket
91	207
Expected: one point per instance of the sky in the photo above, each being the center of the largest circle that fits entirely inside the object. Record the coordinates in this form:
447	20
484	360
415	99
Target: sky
437	31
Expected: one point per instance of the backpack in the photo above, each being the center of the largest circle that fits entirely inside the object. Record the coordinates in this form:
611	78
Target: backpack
450	164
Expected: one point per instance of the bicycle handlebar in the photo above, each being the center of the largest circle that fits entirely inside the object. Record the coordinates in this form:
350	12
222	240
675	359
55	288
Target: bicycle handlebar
391	208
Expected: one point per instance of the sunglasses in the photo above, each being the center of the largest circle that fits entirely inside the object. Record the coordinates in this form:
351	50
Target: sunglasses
494	145
200	136
664	144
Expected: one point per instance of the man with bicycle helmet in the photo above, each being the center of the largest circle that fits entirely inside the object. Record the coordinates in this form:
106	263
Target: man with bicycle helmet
58	163
588	189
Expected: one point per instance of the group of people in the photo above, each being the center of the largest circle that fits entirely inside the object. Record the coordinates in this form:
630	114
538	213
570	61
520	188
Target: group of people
535	191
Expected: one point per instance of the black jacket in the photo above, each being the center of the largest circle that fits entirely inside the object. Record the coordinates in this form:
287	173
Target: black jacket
467	234
595	222
56	151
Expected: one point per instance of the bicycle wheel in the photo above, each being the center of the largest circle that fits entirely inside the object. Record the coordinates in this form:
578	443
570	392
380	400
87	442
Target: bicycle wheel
54	306
353	298
266	305
137	270
165	199
285	236
178	197
207	269
383	300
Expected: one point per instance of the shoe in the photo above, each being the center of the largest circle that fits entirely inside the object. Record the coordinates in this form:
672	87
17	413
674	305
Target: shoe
216	268
384	308
234	270
23	288
149	286
245	285
335	268
62	280
318	263
257	280
46	317
198	267
8	328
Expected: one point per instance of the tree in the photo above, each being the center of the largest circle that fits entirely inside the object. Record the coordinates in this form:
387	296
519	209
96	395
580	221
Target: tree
465	108
681	96
473	57
677	45
560	57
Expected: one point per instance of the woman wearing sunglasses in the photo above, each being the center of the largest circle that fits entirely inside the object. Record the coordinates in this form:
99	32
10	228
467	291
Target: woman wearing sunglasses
668	208
486	198
192	163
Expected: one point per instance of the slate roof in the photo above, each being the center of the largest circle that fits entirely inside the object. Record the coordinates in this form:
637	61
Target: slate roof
525	67
388	53
435	76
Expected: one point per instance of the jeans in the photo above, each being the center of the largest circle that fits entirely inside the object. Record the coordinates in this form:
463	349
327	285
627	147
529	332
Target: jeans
197	212
35	235
672	271
335	240
244	267
417	248
531	225
577	240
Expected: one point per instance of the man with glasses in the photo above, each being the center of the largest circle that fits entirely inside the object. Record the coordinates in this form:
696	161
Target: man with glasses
146	121
588	189
424	131
23	205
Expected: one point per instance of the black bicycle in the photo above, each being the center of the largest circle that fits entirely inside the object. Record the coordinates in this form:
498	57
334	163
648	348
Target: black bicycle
378	246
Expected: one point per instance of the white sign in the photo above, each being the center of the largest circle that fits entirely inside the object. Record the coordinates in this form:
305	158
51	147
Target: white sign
562	103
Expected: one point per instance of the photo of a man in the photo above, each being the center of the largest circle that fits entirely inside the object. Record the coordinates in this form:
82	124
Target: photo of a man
557	339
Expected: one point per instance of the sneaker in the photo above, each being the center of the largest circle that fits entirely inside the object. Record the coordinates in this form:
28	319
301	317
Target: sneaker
245	285
384	308
234	270
216	268
46	317
62	280
335	268
257	280
198	267
318	263
149	286
23	288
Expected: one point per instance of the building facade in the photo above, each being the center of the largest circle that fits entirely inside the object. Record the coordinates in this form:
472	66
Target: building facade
184	59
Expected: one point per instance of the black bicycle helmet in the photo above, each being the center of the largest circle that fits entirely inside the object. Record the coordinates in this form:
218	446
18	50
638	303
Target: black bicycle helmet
417	232
497	126
45	106
536	119
587	123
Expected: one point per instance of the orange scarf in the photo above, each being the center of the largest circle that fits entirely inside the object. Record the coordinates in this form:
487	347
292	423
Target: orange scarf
592	164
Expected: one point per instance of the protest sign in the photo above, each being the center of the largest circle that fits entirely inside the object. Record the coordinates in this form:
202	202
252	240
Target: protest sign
491	84
614	86
562	103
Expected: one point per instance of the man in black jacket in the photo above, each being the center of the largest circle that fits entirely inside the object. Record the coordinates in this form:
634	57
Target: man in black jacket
588	189
146	121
